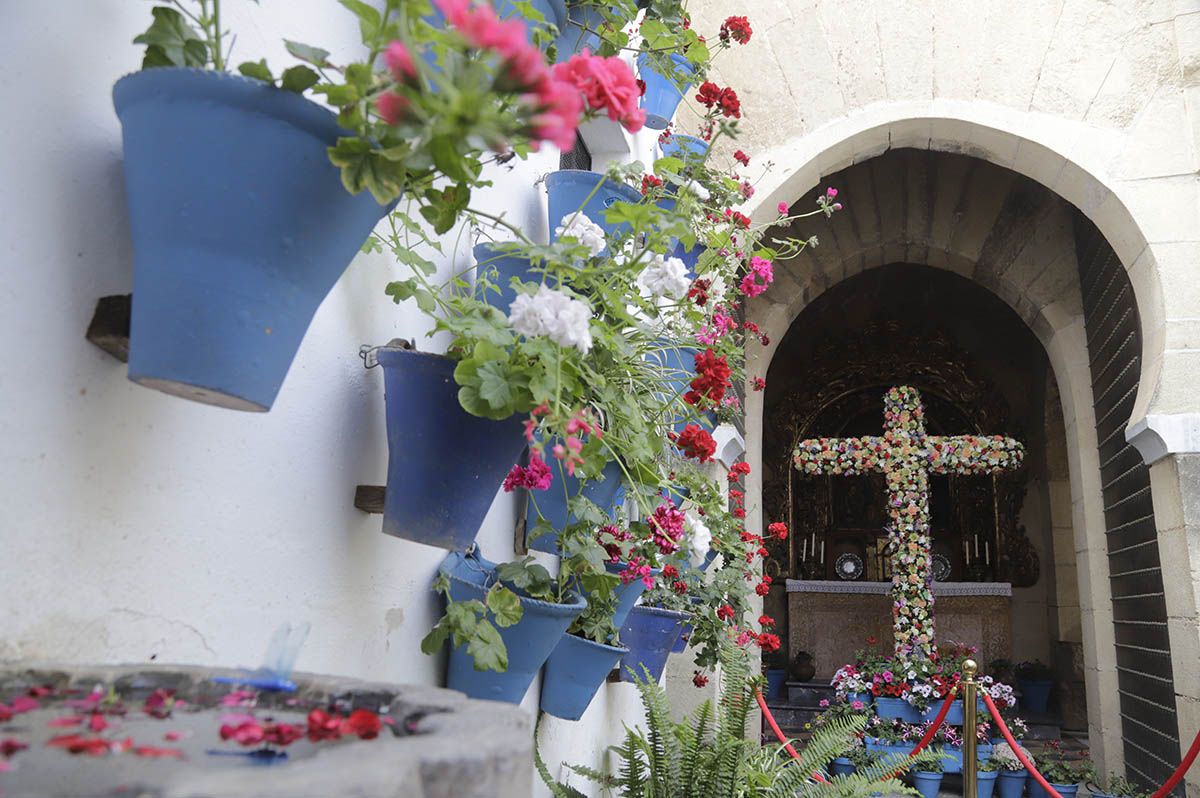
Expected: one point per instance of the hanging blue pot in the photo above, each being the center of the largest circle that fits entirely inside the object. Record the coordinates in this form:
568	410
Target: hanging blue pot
650	633
664	92
1011	783
685	148
841	766
690	257
573	674
552	503
776	681
1035	694
627	594
685	636
240	228
529	641
985	783
571	190
444	464
506	267
927	784
678	365
886	707
578	32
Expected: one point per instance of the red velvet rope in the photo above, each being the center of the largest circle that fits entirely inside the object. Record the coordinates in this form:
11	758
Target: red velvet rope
762	704
937	724
1008	738
1179	771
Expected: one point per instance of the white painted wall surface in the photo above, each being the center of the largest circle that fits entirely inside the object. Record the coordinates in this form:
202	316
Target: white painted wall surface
138	526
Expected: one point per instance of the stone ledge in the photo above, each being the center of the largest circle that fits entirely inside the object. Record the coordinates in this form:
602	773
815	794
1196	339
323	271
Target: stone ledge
1157	436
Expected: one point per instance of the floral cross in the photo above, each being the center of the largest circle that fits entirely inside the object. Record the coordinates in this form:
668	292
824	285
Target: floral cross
905	455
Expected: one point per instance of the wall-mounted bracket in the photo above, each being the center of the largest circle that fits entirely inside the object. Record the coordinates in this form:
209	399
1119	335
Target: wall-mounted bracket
109	328
369	498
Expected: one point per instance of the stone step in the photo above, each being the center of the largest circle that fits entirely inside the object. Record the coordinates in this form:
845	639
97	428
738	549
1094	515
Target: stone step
810	694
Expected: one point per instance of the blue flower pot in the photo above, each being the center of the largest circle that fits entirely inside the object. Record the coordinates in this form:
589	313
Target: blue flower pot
927	784
841	766
574	672
985	783
1035	695
552	504
896	708
444	464
685	148
529	641
776	681
571	190
953	718
685	636
954	756
506	267
627	595
576	35
865	698
664	92
1038	791
650	633
678	364
690	257
1011	783
240	227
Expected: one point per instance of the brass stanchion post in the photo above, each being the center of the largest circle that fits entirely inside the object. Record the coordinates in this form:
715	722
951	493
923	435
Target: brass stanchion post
970	756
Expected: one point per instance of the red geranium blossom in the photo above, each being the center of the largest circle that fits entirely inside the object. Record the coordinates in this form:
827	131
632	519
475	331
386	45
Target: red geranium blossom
725	612
323	725
759	383
778	530
768	642
698	293
766	620
696	443
711	380
762	589
736	28
650	182
699	679
363	722
740	219
741	158
739	470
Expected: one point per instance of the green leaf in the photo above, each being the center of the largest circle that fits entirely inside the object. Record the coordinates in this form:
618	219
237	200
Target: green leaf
298	79
369	20
171	41
493	384
445	206
339	96
362	168
487	649
433	642
306	52
257	70
505	605
448	159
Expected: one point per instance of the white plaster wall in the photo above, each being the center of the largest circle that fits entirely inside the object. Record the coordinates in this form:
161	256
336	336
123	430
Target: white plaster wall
138	526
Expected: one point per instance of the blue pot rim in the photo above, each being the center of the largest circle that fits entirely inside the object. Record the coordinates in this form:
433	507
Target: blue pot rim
561	177
547	607
927	774
251	95
676	58
388	354
677	614
621	650
987	775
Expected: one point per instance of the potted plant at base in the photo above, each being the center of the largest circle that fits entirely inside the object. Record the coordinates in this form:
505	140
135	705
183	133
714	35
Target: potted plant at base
1013	775
1063	774
927	778
986	775
1035	679
1114	786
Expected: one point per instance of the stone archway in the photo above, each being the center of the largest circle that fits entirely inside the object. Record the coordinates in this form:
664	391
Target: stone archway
967	215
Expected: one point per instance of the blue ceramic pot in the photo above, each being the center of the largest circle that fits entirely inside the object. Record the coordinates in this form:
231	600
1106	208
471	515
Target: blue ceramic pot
927	784
664	92
841	766
776	681
1011	783
985	783
240	227
690	257
1035	694
896	708
650	633
953	718
954	761
444	464
679	366
529	641
681	642
685	148
576	34
552	504
571	190
1065	790
574	672
865	698
506	267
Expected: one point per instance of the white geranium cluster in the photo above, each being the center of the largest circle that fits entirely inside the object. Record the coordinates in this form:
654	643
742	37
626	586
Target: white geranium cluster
1002	694
1003	753
579	227
699	538
555	315
920	694
665	277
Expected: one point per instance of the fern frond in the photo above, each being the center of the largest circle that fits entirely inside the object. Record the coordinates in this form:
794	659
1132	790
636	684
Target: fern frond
557	789
694	744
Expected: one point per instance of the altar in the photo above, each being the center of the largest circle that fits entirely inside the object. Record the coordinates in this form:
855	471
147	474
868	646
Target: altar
831	619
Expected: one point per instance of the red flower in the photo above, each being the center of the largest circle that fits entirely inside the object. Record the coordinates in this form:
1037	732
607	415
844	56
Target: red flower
699	679
710	94
738	470
650	182
778	530
11	746
730	105
392	107
696	443
698	293
363	722
323	725
762	589
670	572
153	751
768	642
741	158
724	100
607	84
246	733
725	612
159	703
679	587
759	383
711	380
736	28
80	744
740	219
738	512
766	620
399	62
282	733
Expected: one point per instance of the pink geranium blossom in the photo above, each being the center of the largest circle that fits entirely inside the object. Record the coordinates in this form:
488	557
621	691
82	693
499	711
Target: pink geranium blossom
607	84
761	274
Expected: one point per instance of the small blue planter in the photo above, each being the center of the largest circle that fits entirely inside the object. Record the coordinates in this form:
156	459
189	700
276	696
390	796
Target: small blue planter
896	708
954	717
240	227
664	92
650	633
444	464
841	766
985	783
1035	695
1038	791
574	672
954	756
685	148
529	641
776	681
927	784
506	267
1011	783
865	698
552	504
576	34
690	257
571	190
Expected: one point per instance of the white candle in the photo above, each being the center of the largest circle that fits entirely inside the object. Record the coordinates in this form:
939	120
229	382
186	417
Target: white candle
987	553
966	552
977	545
822	552
804	551
812	547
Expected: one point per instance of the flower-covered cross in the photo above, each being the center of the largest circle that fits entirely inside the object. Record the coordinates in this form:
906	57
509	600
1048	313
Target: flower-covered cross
905	455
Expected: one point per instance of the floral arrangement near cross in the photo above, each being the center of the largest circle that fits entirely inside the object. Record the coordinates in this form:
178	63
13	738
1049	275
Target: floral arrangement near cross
905	455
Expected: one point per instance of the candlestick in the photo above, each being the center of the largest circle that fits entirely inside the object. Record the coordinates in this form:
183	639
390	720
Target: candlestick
987	553
812	547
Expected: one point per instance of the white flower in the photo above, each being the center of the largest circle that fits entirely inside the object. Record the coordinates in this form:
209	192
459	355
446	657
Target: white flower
555	315
584	230
699	190
665	277
699	538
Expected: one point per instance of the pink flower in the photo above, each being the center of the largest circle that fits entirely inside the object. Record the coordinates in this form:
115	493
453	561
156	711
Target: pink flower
761	274
831	192
783	209
391	107
535	476
607	84
399	62
559	105
824	702
856	705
